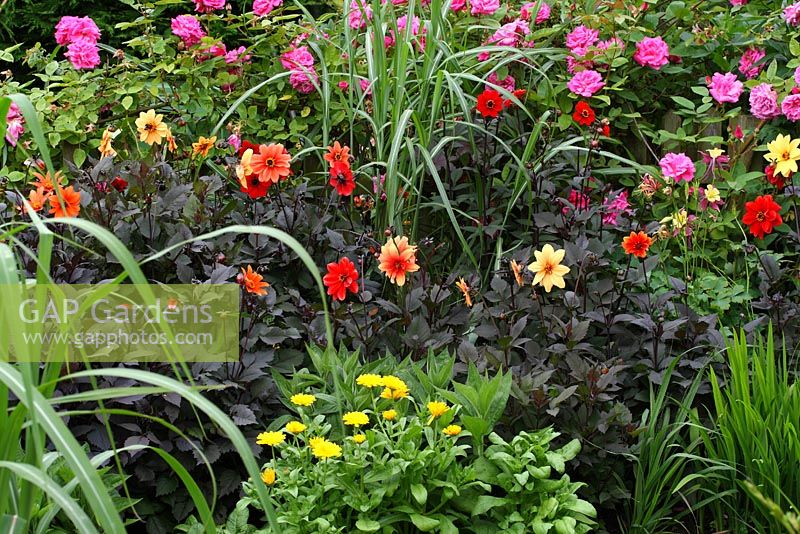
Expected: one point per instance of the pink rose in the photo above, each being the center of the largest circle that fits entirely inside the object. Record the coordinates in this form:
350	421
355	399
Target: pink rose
586	83
188	29
207	6
484	7
764	102
791	14
725	87
747	63
359	14
262	8
542	15
652	52
458	5
71	29
508	83
791	107
83	54
580	39
677	166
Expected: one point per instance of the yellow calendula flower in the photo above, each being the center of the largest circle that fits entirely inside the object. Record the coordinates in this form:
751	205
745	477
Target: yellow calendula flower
394	388
295	427
313	442
359	438
437	409
784	153
369	380
105	148
151	127
203	145
390	415
268	476
547	268
324	449
303	399
356	419
394	394
270	438
452	430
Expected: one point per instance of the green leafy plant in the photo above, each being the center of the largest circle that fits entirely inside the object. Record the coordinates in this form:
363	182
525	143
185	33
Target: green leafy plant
367	452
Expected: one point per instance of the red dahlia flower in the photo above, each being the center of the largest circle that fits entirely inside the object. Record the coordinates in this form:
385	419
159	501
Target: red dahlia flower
775	179
119	184
256	188
519	94
342	178
584	114
490	104
341	278
762	215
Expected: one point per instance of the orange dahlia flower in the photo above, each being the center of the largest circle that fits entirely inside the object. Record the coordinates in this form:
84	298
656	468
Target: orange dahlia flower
336	153
71	203
397	259
38	198
254	282
271	163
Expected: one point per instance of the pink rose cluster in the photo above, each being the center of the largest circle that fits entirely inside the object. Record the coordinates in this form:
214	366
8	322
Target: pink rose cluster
262	8
791	14
749	64
542	15
207	6
80	36
508	83
188	29
300	64
359	14
14	124
418	31
513	34
677	166
484	7
725	87
586	83
652	52
582	41
764	102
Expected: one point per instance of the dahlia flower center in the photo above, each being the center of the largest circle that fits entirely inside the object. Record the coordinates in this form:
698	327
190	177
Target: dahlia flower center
548	269
270	162
761	217
490	104
341	179
150	127
399	265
